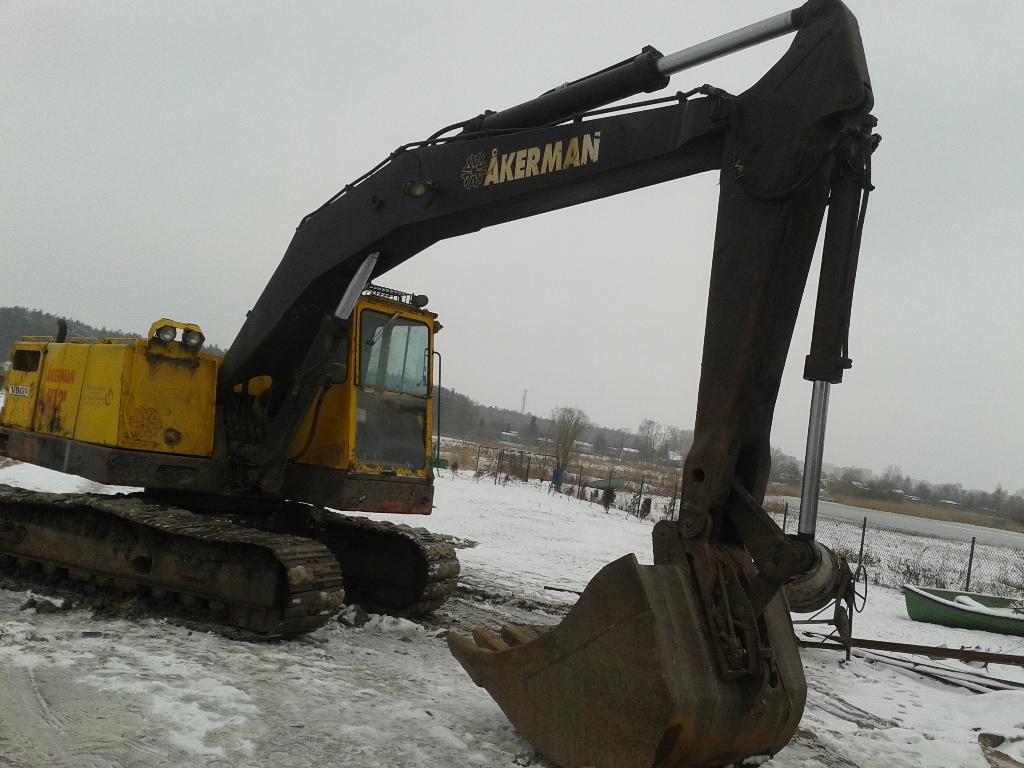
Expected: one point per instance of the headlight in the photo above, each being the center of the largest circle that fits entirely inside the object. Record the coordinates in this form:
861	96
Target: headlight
165	334
193	340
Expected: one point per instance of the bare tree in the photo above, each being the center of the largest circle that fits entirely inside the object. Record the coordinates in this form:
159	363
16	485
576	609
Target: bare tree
651	436
678	439
892	476
569	425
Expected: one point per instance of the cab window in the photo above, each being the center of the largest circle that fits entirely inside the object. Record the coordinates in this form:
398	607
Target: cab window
394	353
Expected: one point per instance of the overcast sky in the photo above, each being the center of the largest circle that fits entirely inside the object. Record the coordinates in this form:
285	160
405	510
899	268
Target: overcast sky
155	158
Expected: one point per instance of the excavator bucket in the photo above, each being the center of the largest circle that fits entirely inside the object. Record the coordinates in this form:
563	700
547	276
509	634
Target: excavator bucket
630	677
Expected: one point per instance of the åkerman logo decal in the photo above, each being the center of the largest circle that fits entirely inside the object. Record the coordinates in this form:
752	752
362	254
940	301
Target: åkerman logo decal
531	161
473	171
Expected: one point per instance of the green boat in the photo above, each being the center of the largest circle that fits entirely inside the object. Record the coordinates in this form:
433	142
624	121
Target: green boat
965	610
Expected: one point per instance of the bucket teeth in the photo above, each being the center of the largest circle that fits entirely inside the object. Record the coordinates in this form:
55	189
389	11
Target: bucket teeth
507	637
519	635
487	639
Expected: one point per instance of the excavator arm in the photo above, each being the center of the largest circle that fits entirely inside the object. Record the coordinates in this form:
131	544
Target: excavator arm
690	661
775	143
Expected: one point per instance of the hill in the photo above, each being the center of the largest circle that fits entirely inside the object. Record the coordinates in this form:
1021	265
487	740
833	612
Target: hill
16	322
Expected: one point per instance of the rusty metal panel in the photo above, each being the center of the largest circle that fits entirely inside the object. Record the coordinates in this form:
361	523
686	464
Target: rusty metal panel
61	386
359	492
169	401
116	466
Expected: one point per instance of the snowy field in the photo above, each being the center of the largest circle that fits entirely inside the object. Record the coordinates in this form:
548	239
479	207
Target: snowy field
82	688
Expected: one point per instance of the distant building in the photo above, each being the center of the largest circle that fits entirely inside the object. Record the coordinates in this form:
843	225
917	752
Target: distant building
511	439
630	454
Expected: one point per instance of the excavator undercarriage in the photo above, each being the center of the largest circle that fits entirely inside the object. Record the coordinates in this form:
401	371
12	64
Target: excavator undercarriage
144	412
274	575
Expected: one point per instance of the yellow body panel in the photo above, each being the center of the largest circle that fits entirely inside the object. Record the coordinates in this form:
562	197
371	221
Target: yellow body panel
169	401
331	445
142	395
23	385
99	409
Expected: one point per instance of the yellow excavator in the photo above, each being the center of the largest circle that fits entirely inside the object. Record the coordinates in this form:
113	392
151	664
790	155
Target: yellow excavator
145	412
322	403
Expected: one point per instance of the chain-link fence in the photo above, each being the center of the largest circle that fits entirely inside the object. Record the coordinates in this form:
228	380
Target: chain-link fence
895	557
641	492
892	557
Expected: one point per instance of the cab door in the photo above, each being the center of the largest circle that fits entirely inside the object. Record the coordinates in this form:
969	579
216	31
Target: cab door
392	392
22	388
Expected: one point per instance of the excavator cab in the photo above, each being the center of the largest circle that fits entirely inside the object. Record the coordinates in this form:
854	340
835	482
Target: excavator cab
372	417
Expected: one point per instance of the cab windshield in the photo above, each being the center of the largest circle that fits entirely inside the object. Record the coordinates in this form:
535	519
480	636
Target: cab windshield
395	353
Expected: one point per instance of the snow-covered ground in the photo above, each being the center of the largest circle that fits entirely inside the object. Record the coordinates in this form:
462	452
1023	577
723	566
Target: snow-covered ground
81	689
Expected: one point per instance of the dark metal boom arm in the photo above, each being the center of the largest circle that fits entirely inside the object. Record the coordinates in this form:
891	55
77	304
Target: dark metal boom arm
775	145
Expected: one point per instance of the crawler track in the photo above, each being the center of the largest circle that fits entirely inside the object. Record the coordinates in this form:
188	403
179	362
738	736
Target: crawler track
275	575
271	584
388	568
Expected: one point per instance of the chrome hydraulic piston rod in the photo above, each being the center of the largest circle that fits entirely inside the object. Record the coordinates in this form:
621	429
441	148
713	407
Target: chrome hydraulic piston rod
646	72
812	459
730	42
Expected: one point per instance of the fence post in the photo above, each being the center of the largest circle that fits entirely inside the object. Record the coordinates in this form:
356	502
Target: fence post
970	562
785	515
863	533
640	495
672	506
579	481
529	459
478	447
497	471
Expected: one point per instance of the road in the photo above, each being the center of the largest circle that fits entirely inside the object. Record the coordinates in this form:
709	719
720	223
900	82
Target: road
923	525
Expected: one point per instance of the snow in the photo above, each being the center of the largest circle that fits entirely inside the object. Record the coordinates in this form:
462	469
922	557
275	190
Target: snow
84	689
35	478
973	605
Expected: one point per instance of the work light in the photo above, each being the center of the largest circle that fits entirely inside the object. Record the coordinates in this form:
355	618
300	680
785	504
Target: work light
165	334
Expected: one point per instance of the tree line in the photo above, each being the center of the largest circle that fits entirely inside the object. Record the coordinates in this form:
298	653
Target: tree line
893	485
16	322
567	430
